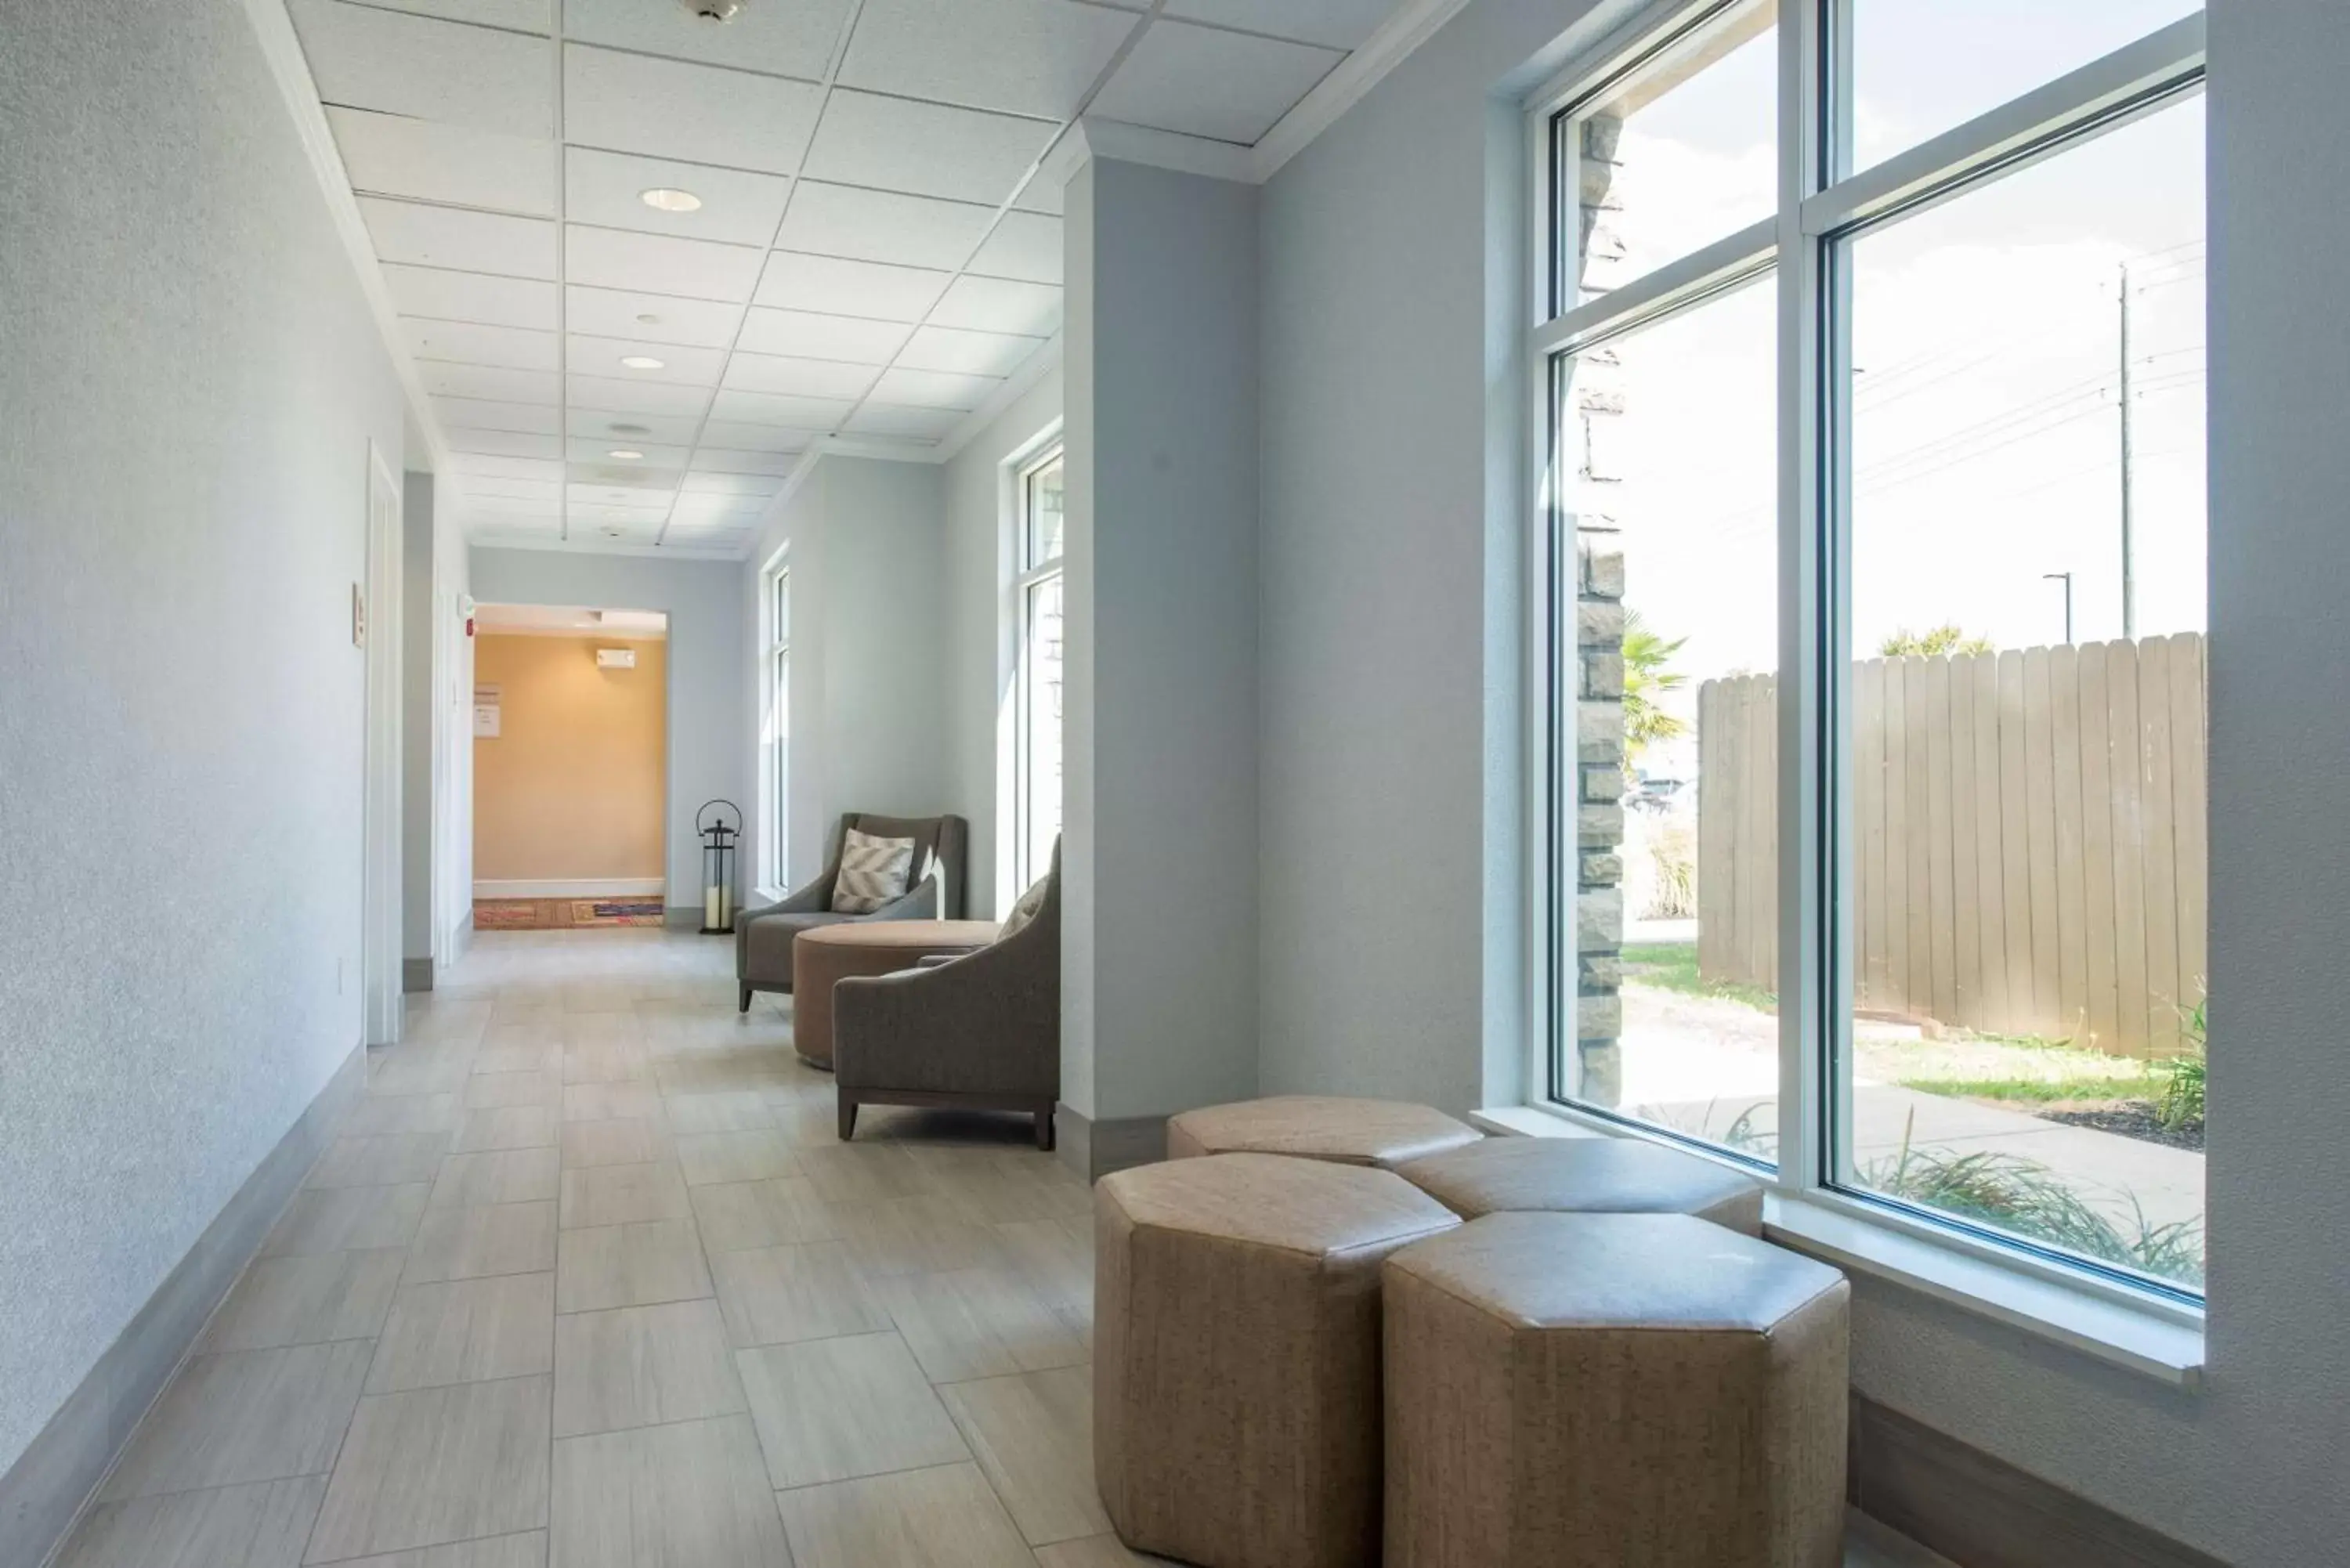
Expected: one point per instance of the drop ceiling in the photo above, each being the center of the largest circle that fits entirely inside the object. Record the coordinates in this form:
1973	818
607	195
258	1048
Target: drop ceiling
875	256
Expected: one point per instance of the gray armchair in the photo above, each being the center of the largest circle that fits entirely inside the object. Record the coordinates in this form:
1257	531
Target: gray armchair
762	937
978	1032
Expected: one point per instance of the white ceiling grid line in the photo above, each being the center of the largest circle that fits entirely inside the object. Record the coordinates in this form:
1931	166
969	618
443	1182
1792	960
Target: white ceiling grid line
870	263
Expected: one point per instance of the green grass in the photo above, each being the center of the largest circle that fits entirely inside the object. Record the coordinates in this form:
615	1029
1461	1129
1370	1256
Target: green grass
2041	1091
1672	966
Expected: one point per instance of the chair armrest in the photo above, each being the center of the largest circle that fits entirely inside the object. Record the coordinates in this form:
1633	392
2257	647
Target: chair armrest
920	902
932	960
987	1021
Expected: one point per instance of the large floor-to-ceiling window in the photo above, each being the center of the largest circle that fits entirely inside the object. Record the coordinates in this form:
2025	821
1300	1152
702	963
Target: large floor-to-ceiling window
1871	335
1039	598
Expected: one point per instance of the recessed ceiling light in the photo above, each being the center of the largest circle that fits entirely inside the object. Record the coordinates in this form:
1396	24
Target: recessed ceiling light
668	199
642	362
646	318
626	454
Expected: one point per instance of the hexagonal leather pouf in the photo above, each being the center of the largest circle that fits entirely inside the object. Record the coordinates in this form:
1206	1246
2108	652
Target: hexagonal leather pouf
1236	1355
1597	1390
1586	1176
1317	1127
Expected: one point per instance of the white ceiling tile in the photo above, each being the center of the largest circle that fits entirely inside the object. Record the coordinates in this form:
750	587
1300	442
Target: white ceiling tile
391	155
611	430
701	484
741	437
1024	57
491	385
657	264
515	506
470	466
586	355
891	419
481	488
470	343
617	530
1201	82
933	389
1024	247
615	395
471	296
702	509
627	490
1001	305
719	460
505	443
609	475
365	58
608	187
881	225
1042	194
970	353
837	287
929	149
1337	24
798	377
809	336
451	237
771	409
668	109
539	418
792	38
652	317
656	457
525	15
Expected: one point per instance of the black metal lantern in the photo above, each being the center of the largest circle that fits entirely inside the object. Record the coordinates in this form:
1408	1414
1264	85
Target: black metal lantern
718	836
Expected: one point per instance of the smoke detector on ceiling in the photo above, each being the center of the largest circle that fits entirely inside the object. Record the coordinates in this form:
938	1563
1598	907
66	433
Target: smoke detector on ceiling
712	10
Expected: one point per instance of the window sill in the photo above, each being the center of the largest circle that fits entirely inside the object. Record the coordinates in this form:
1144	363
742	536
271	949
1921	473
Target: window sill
2165	1344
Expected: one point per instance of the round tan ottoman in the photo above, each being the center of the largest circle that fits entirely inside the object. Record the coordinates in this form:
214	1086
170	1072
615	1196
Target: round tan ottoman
829	953
1592	1390
1317	1127
1236	1355
1586	1176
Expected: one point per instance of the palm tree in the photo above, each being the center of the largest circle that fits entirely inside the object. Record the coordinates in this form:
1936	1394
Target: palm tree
1646	678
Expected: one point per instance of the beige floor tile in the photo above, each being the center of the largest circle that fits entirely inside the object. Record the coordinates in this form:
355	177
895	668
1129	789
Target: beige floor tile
438	1465
246	1416
635	1264
517	1055
621	1140
499	1176
505	1127
380	1114
927	1234
348	1219
606	1062
641	1366
261	1525
487	1091
693	1494
943	1516
1098	1551
466	1331
861	1172
623	1194
1054	1257
1034	1437
420	1067
1015	1191
526	1549
834	1409
735	1215
609	1102
755	1156
774	1295
306	1300
977	1322
467	1242
725	1111
385	1160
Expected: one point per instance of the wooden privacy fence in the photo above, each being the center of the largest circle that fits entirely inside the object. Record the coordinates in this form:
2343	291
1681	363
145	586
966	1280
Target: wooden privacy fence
2028	837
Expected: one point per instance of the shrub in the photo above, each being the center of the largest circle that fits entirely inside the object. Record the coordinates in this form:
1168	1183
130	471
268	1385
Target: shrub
2180	1103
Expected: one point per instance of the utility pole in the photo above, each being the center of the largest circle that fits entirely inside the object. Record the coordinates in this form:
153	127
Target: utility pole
2129	553
2066	578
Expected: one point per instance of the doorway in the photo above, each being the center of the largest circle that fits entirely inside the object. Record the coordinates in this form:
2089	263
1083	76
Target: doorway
570	767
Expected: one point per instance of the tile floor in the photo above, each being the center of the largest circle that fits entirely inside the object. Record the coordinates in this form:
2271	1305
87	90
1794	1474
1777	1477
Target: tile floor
587	1281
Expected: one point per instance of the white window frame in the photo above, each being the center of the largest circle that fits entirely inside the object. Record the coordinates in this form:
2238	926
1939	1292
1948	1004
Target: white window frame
2151	1328
1028	575
774	746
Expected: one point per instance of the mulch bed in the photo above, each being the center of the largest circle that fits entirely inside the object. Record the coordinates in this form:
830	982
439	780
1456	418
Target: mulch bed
2130	1118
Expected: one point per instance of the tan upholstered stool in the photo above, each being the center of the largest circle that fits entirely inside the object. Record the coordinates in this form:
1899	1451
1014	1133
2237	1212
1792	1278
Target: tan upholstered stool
1317	1127
1594	1390
1586	1176
1236	1355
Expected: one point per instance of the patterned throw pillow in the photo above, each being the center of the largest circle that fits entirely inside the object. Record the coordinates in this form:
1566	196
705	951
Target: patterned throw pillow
1031	904
873	871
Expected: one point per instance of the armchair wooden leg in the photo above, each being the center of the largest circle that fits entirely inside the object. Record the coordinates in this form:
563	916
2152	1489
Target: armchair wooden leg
1044	1128
745	1004
848	1116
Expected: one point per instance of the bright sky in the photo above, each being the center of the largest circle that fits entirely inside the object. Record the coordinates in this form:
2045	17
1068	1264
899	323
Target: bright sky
1986	337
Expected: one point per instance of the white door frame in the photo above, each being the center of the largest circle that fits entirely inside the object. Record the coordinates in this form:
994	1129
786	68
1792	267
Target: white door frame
379	829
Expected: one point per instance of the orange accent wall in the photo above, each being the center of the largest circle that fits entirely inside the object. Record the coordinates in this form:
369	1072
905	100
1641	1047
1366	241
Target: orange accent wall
571	788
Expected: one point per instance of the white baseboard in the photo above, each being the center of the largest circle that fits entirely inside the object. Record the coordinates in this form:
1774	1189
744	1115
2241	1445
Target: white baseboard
575	888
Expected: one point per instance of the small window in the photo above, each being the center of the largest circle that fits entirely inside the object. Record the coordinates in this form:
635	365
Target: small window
1036	762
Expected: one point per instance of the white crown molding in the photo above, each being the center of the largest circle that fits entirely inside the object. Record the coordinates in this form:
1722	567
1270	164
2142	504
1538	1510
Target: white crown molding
1017	386
291	69
1350	83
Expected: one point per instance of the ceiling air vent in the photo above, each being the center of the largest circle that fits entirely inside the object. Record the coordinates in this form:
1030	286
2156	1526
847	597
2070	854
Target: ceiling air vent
712	10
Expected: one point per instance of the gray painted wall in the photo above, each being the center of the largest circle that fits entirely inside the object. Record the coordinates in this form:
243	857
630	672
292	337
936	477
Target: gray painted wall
190	385
1389	591
416	650
708	706
1159	969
